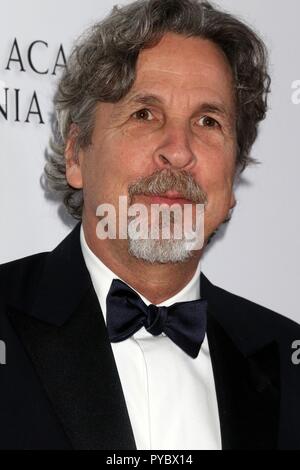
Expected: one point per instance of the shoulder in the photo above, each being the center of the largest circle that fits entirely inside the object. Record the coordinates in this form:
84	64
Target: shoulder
22	266
253	317
21	275
248	307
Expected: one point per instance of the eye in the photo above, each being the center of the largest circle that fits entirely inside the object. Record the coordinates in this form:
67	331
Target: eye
207	121
143	115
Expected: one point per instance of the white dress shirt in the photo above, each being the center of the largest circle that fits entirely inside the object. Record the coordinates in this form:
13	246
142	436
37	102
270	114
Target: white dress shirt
170	396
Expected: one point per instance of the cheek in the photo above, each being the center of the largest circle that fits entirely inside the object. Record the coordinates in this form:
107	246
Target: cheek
129	159
112	166
217	172
216	178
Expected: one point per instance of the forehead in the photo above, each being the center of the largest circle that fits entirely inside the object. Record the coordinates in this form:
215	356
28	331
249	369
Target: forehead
184	67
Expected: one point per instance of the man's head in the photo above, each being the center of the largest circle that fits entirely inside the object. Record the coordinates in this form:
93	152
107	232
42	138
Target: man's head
169	89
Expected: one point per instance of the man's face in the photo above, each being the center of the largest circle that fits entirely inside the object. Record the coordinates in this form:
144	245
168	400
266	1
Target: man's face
179	114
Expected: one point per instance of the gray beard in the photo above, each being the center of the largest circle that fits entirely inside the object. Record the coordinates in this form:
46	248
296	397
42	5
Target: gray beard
160	251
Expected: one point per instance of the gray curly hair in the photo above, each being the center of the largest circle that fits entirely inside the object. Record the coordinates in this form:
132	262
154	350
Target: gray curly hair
101	68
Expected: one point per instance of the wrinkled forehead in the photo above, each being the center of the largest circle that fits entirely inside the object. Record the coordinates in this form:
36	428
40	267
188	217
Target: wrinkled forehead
188	65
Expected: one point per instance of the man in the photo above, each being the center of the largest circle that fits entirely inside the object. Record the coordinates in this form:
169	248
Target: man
121	342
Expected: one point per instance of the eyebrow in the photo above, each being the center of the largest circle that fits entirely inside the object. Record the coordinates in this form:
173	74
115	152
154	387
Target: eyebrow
205	107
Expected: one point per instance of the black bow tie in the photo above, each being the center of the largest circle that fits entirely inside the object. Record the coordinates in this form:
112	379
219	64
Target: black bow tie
183	322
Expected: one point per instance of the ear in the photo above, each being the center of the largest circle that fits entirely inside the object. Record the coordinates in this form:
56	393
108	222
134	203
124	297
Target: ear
73	166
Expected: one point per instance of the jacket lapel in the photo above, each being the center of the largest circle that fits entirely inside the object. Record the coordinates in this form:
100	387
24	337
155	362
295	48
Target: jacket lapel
66	339
246	371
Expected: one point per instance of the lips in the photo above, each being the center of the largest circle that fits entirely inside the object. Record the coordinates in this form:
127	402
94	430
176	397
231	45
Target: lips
170	197
173	195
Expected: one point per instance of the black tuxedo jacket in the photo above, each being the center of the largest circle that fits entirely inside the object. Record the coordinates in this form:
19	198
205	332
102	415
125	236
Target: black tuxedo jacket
60	388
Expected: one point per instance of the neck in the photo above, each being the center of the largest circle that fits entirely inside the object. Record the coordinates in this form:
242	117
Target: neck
157	282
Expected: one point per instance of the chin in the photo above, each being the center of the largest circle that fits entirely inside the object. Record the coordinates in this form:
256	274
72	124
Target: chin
160	251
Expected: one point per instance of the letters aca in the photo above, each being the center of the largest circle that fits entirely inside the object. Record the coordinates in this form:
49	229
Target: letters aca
15	104
16	59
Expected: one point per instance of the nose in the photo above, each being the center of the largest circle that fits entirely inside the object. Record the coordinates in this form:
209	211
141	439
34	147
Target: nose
174	148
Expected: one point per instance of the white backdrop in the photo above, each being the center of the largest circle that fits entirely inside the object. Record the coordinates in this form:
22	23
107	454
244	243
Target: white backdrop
257	256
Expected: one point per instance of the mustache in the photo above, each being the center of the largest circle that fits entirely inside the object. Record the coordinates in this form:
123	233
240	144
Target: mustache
165	180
